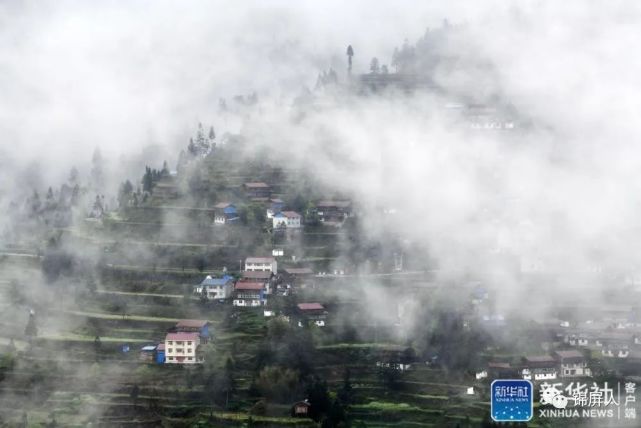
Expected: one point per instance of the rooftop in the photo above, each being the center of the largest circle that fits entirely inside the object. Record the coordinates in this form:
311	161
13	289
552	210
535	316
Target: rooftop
257	274
260	260
310	307
246	285
337	204
192	323
299	271
288	214
182	336
217	281
570	354
257	185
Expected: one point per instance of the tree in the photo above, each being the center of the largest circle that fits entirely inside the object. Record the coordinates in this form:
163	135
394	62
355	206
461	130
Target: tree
135	391
384	69
373	66
212	134
147	180
124	193
345	394
350	54
97	170
31	330
73	176
318	397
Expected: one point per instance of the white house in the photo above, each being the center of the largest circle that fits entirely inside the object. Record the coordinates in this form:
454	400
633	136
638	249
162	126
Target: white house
216	288
539	368
572	364
287	219
182	348
264	264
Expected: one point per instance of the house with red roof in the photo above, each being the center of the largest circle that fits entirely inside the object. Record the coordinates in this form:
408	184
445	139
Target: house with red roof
183	348
311	313
249	294
258	190
201	327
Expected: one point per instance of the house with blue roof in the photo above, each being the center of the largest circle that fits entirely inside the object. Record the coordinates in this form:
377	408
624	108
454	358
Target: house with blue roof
216	288
225	213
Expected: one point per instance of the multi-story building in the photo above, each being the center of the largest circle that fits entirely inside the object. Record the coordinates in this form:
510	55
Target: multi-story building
182	348
249	294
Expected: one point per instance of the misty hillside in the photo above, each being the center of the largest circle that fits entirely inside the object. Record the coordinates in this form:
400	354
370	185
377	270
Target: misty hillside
286	215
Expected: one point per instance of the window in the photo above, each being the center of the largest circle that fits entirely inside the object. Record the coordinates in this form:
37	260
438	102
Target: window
170	358
189	343
169	350
169	342
189	358
189	350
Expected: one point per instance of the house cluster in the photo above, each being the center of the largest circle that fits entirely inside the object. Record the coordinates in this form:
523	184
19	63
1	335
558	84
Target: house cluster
259	280
329	212
569	363
615	335
182	344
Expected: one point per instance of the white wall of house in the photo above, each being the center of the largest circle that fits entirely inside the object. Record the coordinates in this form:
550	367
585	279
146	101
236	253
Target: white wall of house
215	292
262	266
251	303
288	222
181	351
575	370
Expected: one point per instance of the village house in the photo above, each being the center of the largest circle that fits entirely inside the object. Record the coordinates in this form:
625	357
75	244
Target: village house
572	364
182	348
148	353
274	207
333	211
225	213
287	220
215	288
261	264
249	294
500	370
167	187
265	277
542	367
257	191
311	313
395	357
200	327
299	277
301	409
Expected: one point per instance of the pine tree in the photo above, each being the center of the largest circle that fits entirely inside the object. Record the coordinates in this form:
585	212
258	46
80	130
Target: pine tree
97	170
373	66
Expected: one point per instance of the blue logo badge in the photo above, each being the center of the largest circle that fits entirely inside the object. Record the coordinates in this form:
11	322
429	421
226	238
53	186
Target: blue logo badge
512	400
